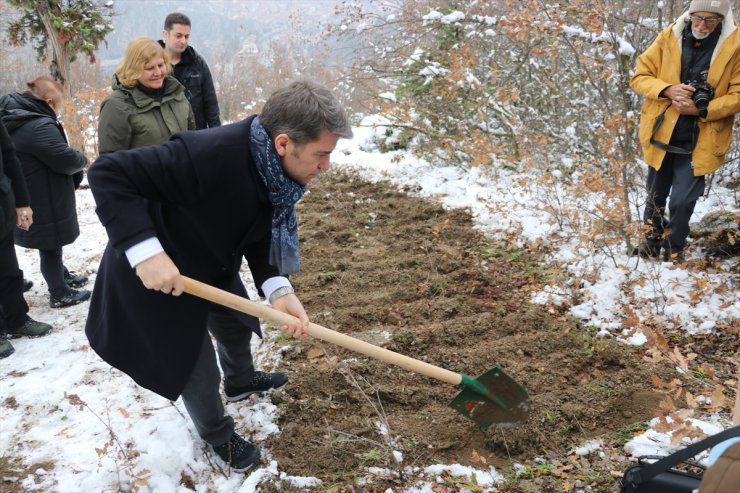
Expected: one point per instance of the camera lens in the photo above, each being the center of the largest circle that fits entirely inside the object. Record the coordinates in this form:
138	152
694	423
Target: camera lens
701	99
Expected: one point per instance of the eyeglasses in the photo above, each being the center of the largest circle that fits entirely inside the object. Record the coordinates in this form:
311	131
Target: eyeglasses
708	21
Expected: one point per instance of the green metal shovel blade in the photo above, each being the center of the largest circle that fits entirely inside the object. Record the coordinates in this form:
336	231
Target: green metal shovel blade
492	399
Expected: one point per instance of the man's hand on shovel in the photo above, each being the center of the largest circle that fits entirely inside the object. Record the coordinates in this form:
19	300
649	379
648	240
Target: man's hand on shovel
160	274
291	305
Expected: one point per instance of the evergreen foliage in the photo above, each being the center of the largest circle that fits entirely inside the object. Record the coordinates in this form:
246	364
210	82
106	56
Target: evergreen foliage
81	25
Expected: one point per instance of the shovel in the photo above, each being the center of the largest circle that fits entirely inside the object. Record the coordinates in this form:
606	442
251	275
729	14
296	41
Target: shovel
492	399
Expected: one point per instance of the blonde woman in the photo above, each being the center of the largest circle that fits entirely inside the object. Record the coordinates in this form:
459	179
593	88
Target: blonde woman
147	104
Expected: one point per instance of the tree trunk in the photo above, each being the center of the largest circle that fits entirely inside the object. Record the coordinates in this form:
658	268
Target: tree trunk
59	67
60	70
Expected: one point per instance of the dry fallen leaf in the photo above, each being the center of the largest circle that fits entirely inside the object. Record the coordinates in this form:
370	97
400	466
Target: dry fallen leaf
315	353
478	458
657	381
718	398
663	426
686	431
691	400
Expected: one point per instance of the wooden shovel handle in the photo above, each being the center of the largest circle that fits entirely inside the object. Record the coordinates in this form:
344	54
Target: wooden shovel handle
221	297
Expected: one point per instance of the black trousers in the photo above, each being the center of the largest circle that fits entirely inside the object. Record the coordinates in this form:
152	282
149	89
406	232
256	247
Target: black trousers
52	268
13	307
201	394
676	185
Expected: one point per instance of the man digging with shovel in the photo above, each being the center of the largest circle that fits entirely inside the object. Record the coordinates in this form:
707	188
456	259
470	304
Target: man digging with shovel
196	205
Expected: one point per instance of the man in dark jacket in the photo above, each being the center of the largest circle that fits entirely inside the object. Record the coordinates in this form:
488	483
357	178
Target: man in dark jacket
197	205
52	170
14	212
191	70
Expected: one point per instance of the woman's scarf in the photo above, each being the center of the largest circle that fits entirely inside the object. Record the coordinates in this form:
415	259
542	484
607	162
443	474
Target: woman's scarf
284	193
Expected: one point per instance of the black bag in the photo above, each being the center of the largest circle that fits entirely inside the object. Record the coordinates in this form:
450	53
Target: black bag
661	477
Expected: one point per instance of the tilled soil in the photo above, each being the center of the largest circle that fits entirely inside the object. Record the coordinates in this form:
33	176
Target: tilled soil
405	274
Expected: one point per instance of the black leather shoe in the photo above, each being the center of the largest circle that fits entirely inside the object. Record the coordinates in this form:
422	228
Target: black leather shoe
238	453
74	297
27	284
261	382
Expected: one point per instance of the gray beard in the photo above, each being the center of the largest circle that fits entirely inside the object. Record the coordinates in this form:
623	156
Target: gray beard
699	35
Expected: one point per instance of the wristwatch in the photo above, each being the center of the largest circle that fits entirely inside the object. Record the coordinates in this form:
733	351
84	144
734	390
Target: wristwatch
280	292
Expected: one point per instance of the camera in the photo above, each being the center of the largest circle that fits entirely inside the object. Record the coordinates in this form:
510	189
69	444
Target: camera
704	92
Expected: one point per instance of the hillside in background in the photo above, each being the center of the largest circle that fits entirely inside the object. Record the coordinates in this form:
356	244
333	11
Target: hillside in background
237	25
236	37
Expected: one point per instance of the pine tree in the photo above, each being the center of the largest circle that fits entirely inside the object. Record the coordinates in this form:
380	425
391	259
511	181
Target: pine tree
71	27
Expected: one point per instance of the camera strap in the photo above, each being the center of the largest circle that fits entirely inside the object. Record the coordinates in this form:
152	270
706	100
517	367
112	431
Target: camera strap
668	147
652	470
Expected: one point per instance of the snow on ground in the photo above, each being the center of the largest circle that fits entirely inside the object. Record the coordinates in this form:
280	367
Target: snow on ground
61	403
648	442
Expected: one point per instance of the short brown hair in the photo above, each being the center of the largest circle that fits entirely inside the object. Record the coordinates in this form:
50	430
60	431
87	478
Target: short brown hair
137	54
44	87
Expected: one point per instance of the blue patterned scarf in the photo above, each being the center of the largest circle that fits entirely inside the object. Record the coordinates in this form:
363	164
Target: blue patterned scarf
284	193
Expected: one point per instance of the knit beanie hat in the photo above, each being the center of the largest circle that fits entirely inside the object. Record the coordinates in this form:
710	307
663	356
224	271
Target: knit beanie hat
720	7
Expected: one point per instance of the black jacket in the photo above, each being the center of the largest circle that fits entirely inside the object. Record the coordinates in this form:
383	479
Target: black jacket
13	190
49	166
200	194
193	73
696	56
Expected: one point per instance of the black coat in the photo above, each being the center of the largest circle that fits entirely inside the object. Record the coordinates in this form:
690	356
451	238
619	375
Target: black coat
199	193
49	166
193	73
13	190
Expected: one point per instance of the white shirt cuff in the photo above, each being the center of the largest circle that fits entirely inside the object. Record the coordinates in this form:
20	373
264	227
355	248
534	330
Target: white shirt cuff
143	250
274	283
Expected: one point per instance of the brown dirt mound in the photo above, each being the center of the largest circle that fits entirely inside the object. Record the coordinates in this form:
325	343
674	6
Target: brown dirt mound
404	273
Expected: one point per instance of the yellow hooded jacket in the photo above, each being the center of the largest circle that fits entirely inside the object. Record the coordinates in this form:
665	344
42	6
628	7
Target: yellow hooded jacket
660	67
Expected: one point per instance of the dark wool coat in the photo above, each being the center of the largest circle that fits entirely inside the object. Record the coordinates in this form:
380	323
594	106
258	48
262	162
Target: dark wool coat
13	190
193	73
49	166
200	194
